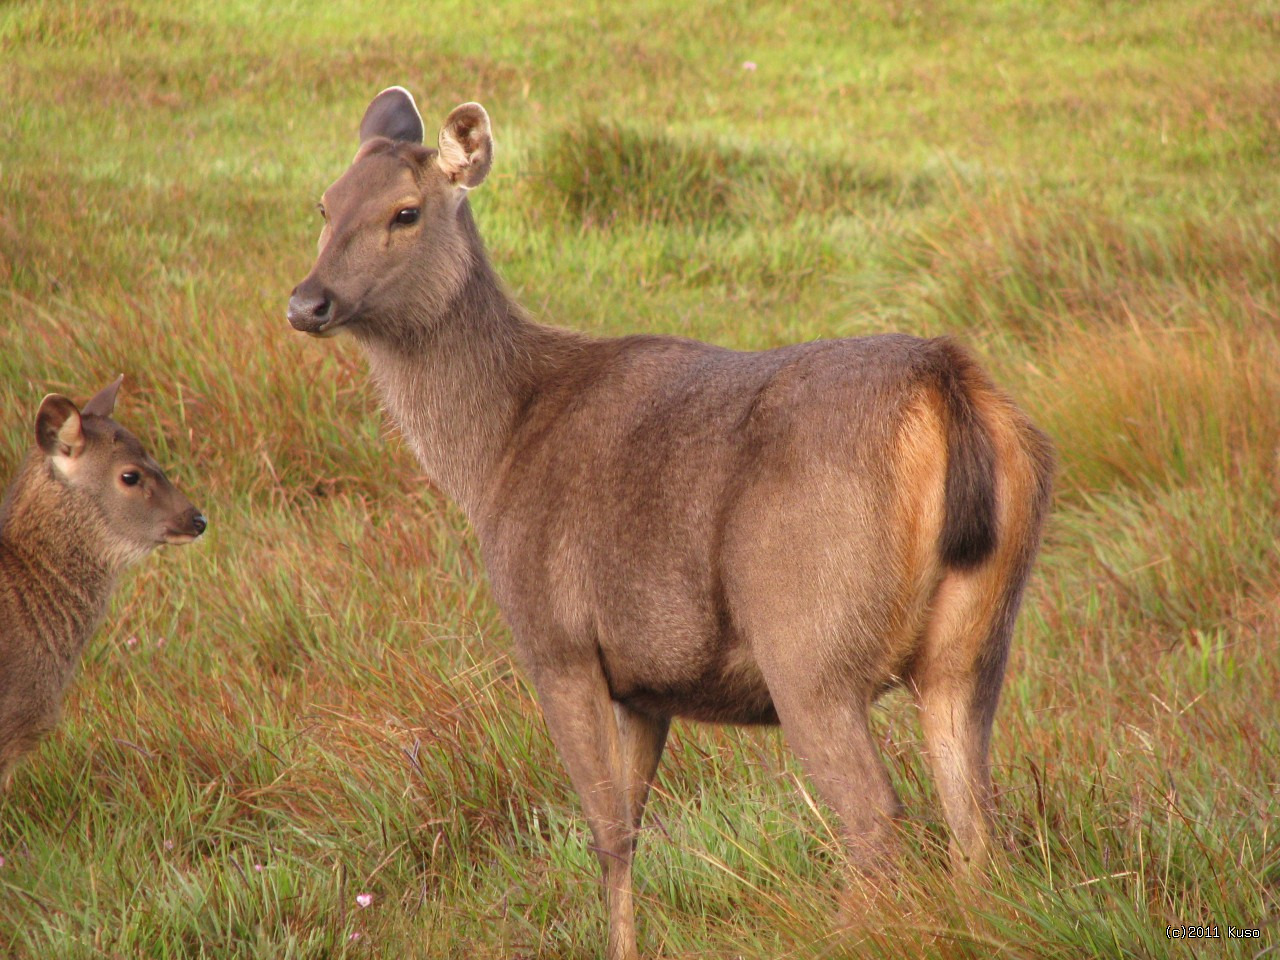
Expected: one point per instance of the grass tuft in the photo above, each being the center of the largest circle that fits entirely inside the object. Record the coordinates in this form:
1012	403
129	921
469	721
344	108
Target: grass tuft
602	173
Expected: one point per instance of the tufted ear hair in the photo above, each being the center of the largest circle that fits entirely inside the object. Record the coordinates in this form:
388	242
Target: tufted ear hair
103	403
58	429
466	146
394	115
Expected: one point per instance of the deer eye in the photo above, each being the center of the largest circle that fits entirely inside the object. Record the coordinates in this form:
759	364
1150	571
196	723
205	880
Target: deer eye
130	478
407	216
323	213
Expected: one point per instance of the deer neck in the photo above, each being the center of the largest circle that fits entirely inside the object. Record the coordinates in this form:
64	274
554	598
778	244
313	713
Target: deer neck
53	549
455	380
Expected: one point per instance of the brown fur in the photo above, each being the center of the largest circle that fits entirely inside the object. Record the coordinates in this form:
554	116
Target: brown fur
68	526
675	529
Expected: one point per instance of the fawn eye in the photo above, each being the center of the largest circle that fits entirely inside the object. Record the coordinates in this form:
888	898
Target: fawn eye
130	478
407	216
323	213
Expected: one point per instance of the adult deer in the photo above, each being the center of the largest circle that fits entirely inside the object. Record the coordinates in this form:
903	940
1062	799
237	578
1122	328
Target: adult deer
674	529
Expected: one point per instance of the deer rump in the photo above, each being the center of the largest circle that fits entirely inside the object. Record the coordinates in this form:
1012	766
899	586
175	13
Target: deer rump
668	505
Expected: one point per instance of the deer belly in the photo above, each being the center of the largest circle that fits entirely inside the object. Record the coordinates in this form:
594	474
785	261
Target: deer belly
716	684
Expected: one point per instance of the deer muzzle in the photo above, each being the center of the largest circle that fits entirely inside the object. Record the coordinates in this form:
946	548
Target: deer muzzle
313	314
189	526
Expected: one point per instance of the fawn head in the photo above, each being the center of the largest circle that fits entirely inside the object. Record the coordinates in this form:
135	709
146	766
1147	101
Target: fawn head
135	504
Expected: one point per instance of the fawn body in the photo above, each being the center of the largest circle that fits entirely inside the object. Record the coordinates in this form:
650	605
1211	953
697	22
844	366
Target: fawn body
86	503
676	529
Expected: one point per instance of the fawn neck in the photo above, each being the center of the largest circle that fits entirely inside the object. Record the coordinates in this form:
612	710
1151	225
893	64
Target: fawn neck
53	548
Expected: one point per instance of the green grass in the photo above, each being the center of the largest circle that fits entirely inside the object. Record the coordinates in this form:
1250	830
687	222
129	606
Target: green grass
316	701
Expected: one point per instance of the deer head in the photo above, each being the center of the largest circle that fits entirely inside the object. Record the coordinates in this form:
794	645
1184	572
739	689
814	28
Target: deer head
397	241
136	506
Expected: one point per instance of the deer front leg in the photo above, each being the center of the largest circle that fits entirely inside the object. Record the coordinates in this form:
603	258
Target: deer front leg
610	763
641	737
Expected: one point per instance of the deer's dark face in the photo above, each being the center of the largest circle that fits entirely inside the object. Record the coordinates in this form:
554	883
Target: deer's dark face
138	507
142	508
392	243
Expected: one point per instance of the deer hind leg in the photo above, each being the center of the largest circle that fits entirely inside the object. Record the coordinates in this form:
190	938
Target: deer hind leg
956	681
826	725
611	754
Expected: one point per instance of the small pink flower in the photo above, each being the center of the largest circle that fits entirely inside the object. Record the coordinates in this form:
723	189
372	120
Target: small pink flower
160	641
131	642
1	861
257	867
168	844
749	65
364	899
355	936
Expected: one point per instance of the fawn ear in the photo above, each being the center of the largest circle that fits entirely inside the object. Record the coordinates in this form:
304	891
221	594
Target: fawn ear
102	403
392	114
58	429
466	146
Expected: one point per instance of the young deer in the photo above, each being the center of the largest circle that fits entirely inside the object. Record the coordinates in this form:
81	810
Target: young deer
673	529
86	503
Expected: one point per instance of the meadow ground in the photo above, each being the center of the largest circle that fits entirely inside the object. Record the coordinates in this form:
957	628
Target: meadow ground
316	702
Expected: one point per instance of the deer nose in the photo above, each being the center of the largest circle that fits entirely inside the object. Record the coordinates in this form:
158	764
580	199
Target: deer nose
308	313
199	523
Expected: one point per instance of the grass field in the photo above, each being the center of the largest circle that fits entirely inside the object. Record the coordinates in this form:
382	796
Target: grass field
316	703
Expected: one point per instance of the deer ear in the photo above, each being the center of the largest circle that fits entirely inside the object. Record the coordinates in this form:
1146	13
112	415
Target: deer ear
466	146
103	403
392	114
58	428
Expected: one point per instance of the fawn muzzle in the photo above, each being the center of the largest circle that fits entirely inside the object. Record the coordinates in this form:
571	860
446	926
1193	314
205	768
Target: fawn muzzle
190	525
